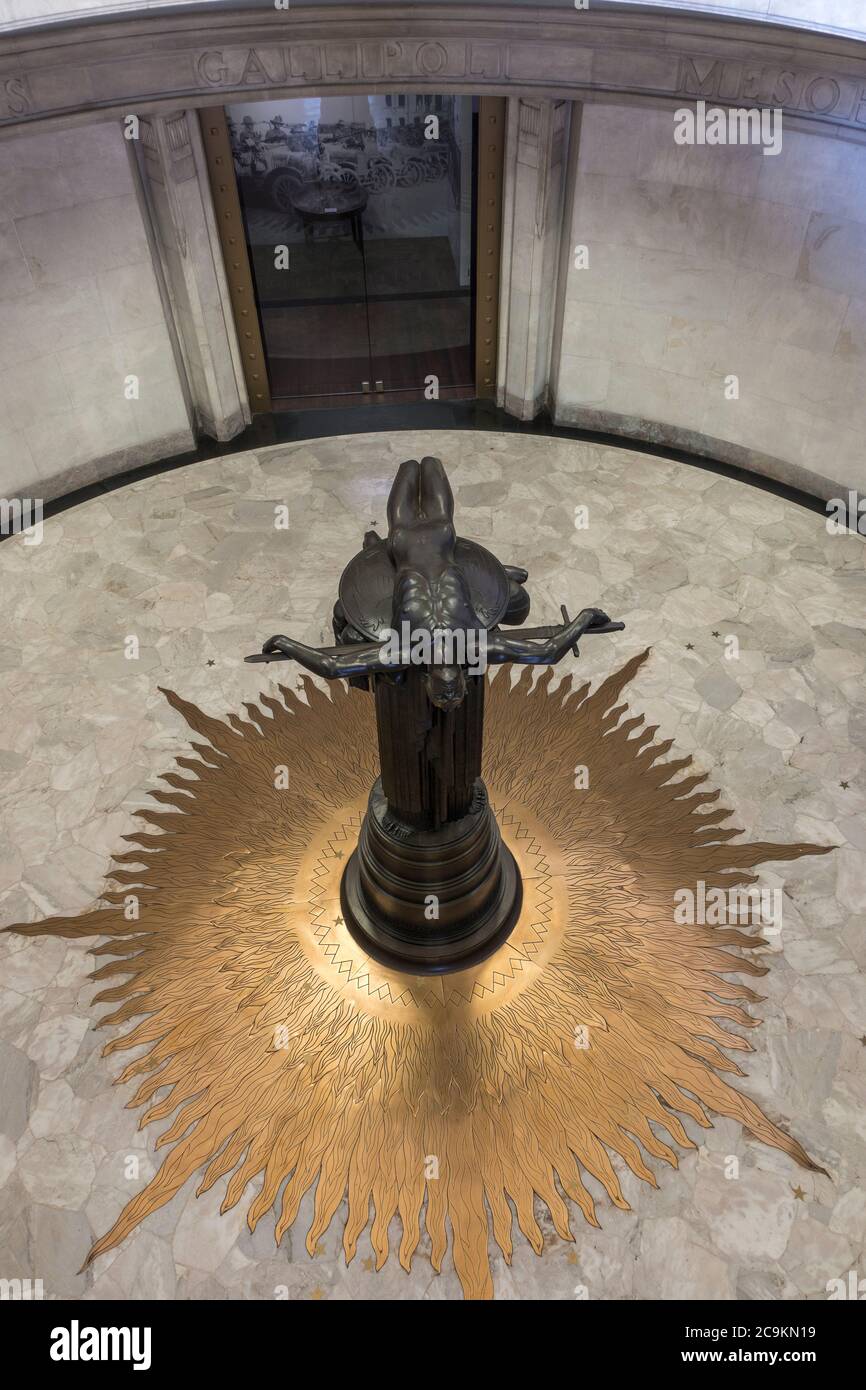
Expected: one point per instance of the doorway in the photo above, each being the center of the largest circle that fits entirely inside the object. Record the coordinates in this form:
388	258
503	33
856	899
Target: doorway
360	221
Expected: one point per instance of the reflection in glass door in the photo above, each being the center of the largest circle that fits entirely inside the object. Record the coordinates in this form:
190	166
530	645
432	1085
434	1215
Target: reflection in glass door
359	219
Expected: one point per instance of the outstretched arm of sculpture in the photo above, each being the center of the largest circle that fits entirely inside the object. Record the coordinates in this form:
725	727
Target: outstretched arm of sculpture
546	652
359	659
365	658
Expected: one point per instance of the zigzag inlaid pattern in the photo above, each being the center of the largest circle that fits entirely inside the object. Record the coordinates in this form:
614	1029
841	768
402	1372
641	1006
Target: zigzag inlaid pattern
343	955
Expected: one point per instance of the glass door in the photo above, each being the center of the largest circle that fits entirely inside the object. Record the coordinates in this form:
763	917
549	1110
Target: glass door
419	240
307	262
359	220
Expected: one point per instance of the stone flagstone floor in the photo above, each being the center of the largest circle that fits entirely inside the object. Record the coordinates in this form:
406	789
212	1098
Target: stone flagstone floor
189	562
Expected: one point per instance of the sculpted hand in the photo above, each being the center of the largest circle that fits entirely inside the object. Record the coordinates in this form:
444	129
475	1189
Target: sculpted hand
596	620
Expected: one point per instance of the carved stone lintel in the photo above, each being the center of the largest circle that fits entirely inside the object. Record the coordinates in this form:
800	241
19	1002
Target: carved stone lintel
163	62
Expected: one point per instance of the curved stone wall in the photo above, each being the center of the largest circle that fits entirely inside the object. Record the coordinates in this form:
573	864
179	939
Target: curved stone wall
705	265
720	304
89	384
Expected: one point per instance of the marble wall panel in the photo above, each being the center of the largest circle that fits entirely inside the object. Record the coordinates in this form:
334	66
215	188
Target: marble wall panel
711	263
81	313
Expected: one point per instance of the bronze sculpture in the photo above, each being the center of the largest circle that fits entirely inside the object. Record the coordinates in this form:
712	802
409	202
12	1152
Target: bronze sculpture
277	1049
430	887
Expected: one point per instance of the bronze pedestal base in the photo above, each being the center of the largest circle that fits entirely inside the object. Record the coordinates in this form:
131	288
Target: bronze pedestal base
430	901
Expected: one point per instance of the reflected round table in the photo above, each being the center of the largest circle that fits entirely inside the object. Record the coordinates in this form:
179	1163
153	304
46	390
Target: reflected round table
318	202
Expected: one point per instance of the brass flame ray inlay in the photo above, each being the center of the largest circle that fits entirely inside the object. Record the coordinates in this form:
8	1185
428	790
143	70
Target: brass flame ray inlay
289	1053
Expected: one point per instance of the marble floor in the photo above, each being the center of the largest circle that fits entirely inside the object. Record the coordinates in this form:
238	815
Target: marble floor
172	580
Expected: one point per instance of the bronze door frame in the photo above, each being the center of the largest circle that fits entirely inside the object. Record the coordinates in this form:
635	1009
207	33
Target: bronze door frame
488	244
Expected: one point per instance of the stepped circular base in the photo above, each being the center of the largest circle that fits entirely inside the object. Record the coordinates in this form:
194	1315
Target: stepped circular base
430	901
436	952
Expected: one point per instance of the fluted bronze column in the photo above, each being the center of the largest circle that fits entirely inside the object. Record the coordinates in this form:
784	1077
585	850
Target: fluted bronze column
431	887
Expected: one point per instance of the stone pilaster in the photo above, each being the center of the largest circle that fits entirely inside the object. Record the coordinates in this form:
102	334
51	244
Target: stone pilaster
177	190
535	168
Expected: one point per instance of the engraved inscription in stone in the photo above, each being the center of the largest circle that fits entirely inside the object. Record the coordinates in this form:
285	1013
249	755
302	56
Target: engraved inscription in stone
545	60
770	84
15	96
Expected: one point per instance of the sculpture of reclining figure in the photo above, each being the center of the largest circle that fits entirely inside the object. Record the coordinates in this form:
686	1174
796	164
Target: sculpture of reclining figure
431	596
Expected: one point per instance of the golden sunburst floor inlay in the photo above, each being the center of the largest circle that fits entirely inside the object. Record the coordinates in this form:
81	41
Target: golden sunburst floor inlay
277	1049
